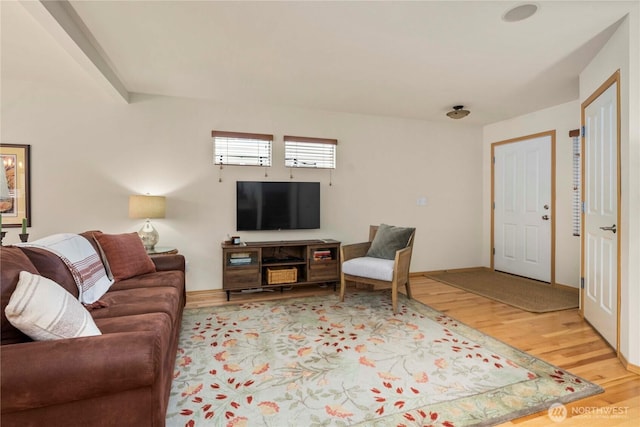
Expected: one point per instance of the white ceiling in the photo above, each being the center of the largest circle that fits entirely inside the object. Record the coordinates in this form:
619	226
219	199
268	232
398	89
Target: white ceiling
404	59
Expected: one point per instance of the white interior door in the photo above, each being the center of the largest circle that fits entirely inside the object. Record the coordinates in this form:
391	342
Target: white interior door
522	208
600	242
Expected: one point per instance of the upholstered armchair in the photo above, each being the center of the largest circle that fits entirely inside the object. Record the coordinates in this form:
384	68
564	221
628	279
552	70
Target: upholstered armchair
383	261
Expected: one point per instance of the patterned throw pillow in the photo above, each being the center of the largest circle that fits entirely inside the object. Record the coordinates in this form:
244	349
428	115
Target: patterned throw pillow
126	255
388	240
44	311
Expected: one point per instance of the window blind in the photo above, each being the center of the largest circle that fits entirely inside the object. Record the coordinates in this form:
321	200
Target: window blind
242	149
305	152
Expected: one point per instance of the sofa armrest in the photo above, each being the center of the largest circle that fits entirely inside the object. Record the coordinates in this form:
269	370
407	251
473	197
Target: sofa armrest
43	373
354	250
169	262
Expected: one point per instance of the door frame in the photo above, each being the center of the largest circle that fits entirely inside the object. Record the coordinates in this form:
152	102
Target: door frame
614	79
552	252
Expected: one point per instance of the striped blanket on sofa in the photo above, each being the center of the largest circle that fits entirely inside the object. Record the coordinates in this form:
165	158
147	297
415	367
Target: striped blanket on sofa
82	260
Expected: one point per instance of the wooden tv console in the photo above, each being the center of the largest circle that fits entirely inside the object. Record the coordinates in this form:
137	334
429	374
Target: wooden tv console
284	263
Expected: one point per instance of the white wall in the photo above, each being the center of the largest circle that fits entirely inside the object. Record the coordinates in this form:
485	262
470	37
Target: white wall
622	52
562	119
89	154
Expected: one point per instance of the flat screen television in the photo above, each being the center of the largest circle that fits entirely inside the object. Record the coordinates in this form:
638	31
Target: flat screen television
277	205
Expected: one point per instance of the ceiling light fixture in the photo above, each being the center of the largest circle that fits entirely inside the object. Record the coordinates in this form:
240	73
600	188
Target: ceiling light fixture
458	112
520	13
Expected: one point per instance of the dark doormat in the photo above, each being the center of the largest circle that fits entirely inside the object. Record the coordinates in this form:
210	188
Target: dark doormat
527	294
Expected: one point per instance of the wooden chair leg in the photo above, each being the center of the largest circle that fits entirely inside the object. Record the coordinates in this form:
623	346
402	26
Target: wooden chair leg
408	286
342	286
394	297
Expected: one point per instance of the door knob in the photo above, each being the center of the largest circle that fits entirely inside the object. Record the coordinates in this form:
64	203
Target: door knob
612	228
545	217
546	207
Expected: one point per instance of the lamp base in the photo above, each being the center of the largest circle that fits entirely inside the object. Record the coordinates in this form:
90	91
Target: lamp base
148	235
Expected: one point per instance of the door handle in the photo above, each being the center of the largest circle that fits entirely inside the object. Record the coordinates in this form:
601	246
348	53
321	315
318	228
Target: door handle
545	217
612	228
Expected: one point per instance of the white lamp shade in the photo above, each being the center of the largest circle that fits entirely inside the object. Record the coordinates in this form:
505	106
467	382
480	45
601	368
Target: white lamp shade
147	206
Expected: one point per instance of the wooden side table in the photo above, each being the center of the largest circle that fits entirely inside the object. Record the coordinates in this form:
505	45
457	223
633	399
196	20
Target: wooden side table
162	250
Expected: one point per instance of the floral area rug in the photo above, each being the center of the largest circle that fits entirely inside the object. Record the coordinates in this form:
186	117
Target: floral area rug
317	362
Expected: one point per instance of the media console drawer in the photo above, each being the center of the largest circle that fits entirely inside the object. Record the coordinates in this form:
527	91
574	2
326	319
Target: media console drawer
326	270
242	278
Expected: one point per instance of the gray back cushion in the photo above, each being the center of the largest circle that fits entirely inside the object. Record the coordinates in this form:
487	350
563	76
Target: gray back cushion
388	240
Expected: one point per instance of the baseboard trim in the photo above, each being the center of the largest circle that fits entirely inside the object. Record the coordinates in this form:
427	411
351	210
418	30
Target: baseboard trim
205	292
629	366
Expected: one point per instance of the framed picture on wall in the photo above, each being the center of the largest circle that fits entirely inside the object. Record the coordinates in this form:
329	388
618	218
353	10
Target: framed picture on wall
15	194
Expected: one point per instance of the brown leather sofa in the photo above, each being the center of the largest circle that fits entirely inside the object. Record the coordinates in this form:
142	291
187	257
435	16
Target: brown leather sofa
120	378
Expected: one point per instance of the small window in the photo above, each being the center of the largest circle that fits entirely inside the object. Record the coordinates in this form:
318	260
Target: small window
303	152
242	149
577	178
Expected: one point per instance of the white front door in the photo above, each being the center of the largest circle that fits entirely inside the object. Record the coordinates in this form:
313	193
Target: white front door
600	227
523	207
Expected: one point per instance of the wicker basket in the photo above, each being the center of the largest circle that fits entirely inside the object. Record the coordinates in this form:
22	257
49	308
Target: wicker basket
283	275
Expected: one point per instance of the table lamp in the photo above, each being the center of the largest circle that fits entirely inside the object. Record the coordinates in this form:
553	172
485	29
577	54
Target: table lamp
147	207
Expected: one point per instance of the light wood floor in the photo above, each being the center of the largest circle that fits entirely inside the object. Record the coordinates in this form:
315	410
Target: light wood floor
561	338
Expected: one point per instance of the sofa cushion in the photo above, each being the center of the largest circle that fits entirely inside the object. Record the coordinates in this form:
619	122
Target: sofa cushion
159	322
373	268
140	301
44	311
12	262
171	278
388	240
125	255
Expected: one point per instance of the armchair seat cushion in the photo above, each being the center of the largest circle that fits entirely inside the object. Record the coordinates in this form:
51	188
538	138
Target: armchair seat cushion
370	267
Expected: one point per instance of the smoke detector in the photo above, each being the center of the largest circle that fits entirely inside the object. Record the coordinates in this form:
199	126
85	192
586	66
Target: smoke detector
458	112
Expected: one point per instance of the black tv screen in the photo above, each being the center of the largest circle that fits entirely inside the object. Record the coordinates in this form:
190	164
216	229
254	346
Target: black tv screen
277	205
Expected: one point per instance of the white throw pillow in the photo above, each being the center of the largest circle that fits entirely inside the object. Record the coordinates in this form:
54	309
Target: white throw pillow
43	310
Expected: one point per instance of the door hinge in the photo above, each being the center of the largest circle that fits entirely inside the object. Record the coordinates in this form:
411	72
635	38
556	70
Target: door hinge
583	210
494	160
494	251
582	283
582	131
494	205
